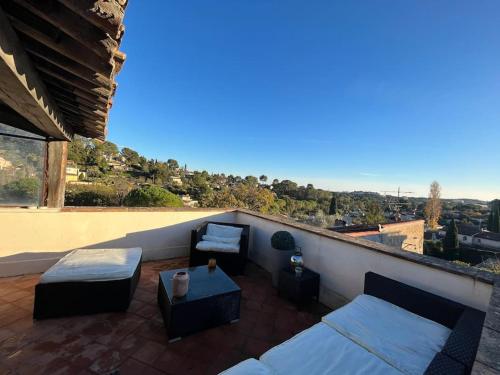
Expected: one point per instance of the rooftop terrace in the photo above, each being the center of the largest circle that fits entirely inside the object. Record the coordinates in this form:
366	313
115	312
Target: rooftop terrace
136	341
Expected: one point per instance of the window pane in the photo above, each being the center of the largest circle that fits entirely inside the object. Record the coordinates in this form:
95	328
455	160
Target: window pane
21	167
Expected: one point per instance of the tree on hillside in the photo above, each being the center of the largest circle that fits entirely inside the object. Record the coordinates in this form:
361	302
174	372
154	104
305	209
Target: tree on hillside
494	217
95	155
433	206
374	214
109	149
251	180
151	196
263	178
450	240
173	164
131	156
77	151
333	206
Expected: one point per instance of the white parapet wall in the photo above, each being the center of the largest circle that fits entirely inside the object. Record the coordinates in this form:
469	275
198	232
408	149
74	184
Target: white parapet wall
342	262
32	240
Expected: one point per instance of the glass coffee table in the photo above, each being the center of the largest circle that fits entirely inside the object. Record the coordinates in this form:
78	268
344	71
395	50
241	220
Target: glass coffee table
212	299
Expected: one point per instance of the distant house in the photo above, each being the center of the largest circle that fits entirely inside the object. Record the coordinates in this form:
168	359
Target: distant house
176	180
117	165
473	235
487	240
186	199
406	235
5	164
72	173
466	232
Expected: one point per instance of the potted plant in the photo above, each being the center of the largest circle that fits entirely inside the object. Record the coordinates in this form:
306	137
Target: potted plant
284	242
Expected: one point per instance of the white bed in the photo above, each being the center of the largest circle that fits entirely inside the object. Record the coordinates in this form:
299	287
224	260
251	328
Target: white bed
94	265
322	350
407	341
367	336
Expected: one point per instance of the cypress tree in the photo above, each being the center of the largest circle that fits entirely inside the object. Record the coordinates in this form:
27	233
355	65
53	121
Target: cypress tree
494	217
496	221
333	206
489	225
450	241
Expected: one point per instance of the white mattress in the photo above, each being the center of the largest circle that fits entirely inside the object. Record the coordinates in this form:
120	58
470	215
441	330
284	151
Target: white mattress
94	265
249	367
321	350
407	341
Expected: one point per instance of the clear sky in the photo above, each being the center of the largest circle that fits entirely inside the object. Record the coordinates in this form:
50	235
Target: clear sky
347	95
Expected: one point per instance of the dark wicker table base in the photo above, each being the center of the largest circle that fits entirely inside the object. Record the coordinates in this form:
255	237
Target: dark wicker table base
213	299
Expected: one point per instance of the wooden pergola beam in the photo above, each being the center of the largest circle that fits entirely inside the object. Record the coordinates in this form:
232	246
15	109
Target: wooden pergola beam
62	62
80	107
10	117
68	47
81	102
63	18
99	102
105	14
77	83
23	90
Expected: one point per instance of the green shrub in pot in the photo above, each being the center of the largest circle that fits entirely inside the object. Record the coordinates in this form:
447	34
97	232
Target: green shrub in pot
283	240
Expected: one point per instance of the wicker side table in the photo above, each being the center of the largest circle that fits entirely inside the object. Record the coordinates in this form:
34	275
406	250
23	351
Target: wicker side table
298	289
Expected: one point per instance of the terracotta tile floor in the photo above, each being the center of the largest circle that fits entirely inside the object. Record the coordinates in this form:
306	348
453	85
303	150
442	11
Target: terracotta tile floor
136	342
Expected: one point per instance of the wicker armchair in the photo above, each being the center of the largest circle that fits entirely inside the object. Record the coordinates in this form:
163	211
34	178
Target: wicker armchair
231	263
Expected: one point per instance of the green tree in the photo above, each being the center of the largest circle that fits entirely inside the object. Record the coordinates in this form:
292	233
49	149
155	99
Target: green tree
333	206
24	188
374	214
91	195
77	151
173	164
252	180
263	178
450	241
131	156
151	196
109	149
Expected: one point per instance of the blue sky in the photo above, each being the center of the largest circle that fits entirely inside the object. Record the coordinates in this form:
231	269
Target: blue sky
347	95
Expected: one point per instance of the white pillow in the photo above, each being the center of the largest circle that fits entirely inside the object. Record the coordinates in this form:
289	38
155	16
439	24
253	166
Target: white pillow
207	237
217	230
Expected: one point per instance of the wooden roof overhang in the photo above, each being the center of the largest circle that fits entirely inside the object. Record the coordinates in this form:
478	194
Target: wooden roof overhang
58	63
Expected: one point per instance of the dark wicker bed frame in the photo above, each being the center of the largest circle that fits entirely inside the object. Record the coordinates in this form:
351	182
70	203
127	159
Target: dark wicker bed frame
59	299
466	323
231	263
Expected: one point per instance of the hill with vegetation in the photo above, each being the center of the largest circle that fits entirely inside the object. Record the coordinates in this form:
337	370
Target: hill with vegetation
112	177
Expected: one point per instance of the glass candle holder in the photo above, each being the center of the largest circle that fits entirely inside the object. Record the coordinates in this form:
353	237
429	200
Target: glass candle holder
212	263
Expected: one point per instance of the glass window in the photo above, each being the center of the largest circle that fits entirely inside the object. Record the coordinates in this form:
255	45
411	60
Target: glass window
22	159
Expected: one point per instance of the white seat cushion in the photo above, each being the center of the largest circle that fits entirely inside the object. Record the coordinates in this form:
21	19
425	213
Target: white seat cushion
207	237
249	367
217	230
407	341
222	247
94	265
322	350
